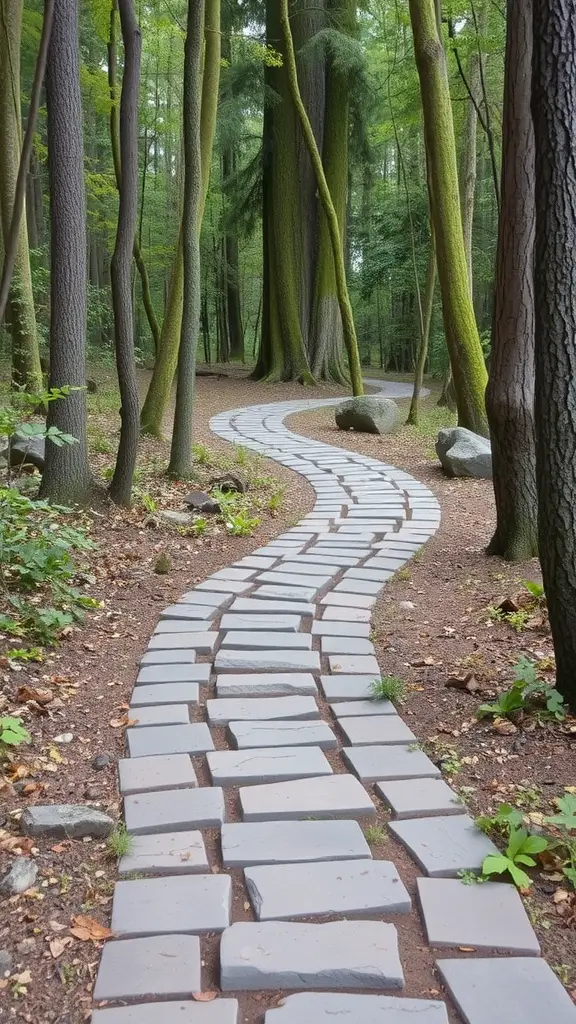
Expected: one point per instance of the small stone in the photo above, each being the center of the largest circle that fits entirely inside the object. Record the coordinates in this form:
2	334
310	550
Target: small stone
26	451
175	518
21	876
26	945
199	501
65	821
64	737
163	563
406	606
186	904
6	963
229	483
91	793
101	761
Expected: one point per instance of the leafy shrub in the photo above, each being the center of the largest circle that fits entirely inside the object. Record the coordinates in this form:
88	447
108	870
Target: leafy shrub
242	525
12	732
527	693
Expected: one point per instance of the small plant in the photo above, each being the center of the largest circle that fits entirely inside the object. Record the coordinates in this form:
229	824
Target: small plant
163	563
470	878
536	590
149	503
25	654
375	834
101	445
201	454
518	620
120	841
12	732
403	574
199	526
527	693
518	854
242	456
242	525
275	500
506	818
564	822
389	688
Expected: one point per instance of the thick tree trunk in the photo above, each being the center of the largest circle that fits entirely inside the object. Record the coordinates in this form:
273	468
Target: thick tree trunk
510	393
554	112
427	309
462	337
232	270
121	266
468	154
67	476
181	448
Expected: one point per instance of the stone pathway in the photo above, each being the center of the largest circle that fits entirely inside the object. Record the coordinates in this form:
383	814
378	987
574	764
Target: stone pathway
263	675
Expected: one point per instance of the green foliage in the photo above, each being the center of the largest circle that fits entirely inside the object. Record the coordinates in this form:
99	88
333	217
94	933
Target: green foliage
12	732
375	834
519	853
120	842
201	454
527	693
198	526
389	688
241	524
536	590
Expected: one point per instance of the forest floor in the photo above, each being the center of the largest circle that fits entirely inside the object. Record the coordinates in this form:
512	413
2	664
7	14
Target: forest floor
449	636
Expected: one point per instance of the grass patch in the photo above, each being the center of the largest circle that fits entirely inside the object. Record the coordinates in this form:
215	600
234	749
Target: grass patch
375	834
119	842
389	688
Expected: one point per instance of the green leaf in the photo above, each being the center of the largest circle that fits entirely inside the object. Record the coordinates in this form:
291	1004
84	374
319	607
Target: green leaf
523	858
518	837
495	864
535	844
519	877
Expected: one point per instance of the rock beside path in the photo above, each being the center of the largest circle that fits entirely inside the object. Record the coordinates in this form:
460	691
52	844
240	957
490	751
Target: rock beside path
21	876
368	414
69	821
463	453
25	451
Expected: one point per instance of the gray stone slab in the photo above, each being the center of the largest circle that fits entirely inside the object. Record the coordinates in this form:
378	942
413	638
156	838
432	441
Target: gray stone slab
333	556
256	562
339	551
173	674
170	739
169	657
375	575
166	853
387	729
176	810
350	585
391	562
285	592
186	904
283	842
490	916
277	550
372	764
281	623
332	796
340	629
165	693
266	709
420	798
302	570
266	764
187	612
221	1011
444	845
205	600
181	626
233	573
165	966
280	660
511	990
262	684
346	645
245	735
258	606
353	888
165	714
341	954
228	587
336	614
363	664
348	688
348	601
142	774
327	1007
362	708
260	639
200	642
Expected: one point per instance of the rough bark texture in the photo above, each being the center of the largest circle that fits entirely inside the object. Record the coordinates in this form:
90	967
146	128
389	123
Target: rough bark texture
427	309
181	448
554	112
121	266
462	337
66	476
467	169
235	329
510	393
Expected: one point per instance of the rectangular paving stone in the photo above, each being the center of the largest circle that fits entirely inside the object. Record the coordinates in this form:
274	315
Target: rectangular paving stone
142	774
169	657
276	550
221	1011
186	904
511	990
185	611
266	709
352	888
444	845
233	573
259	607
327	1007
205	600
278	660
339	552
283	842
181	625
340	630
161	966
390	562
335	796
420	798
362	708
348	600
302	570
387	729
345	687
346	645
350	585
487	917
271	640
245	735
170	739
288	592
266	764
335	614
371	764
255	562
164	693
173	674
355	663
261	684
201	642
166	853
165	714
337	955
178	810
281	623
375	575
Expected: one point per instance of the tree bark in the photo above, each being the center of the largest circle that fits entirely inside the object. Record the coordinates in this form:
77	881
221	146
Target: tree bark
121	265
427	309
554	112
510	393
67	476
468	152
462	337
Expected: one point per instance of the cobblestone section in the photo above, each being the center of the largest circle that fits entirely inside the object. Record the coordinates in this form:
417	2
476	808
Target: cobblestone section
263	675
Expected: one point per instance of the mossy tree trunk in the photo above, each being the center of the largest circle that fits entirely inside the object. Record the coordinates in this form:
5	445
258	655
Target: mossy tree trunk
427	309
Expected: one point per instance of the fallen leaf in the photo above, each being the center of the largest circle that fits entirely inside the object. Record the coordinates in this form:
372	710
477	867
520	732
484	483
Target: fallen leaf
560	896
41	696
57	946
504	727
246	905
118	723
22	979
55	755
468	683
204	997
86	928
60	847
56	926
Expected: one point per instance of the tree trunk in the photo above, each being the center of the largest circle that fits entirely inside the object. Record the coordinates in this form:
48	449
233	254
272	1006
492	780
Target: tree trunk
121	266
554	112
510	393
67	477
467	169
232	271
181	447
427	309
462	337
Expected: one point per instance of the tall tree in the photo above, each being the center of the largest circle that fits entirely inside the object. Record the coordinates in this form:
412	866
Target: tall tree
121	266
467	360
181	448
510	393
554	113
67	476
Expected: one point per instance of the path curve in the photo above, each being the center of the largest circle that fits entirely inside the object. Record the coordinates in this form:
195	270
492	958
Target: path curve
255	720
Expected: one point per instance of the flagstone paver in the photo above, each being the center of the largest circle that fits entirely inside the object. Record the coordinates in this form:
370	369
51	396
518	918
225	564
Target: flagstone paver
443	846
327	1007
245	735
266	764
142	774
164	966
221	1011
168	853
190	904
489	916
281	842
511	990
265	709
419	798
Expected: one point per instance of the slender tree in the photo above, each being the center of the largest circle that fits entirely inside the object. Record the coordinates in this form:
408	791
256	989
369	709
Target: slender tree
554	113
427	310
121	266
510	393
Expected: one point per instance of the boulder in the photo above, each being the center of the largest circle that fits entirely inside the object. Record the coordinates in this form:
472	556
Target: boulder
229	483
25	451
65	821
463	453
175	518
199	501
368	414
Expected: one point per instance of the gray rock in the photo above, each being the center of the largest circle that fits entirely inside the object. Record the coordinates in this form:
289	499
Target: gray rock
22	875
393	762
174	518
165	714
420	798
175	810
443	846
463	453
263	684
166	853
325	1007
332	796
283	842
281	955
26	451
221	1011
6	962
186	904
266	709
229	483
507	990
65	821
489	917
368	414
199	501
266	764
246	735
145	774
170	739
102	761
163	966
164	693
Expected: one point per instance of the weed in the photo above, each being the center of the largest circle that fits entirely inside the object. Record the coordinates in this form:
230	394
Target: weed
101	445
470	878
201	454
242	525
12	733
527	693
389	688
536	590
275	500
242	456
119	842
25	654
163	563
518	620
375	834
198	526
149	503
518	853
403	574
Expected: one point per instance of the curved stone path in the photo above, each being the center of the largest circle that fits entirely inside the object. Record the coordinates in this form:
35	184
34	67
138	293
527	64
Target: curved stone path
256	728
